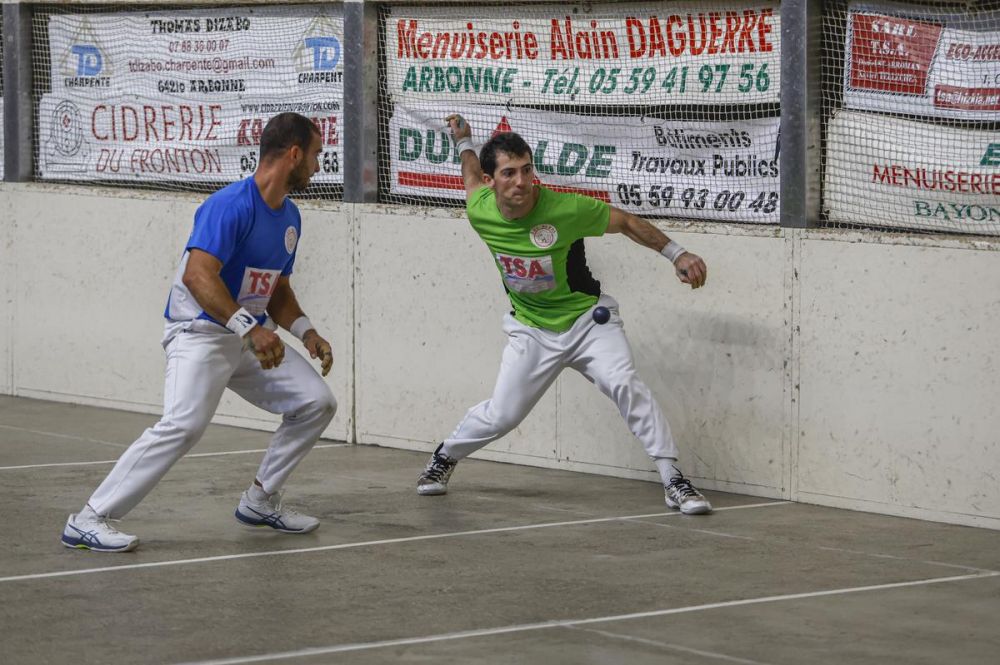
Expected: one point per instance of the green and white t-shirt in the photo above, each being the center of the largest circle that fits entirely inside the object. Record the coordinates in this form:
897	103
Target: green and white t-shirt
541	256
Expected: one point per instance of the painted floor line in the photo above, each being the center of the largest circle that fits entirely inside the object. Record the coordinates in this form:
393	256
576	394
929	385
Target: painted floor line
345	546
874	555
485	632
112	461
894	557
669	646
71	437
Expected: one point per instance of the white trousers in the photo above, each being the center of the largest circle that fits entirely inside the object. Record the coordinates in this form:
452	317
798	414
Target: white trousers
200	366
534	358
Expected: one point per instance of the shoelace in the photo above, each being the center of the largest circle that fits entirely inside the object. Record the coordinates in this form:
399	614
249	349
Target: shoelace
683	486
106	523
275	502
437	468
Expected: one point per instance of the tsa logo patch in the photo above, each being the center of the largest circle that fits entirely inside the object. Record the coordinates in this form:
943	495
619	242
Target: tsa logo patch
256	289
527	274
543	236
291	237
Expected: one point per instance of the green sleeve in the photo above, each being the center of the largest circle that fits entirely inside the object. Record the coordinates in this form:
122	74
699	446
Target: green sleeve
593	216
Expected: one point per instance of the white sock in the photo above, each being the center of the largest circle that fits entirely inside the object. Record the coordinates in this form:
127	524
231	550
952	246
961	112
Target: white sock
257	494
667	466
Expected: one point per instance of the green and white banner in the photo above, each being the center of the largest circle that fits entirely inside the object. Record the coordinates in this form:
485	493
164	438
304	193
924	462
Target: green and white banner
702	170
663	53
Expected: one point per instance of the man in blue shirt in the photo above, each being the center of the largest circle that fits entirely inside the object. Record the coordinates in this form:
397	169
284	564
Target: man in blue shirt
230	289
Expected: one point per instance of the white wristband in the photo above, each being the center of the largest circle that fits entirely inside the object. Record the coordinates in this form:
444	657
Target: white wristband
241	322
301	326
464	144
672	251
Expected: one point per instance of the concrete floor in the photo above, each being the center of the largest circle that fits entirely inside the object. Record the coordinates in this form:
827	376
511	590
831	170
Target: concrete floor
516	565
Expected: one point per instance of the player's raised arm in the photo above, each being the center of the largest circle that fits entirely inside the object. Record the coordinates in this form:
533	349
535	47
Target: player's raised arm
690	267
472	172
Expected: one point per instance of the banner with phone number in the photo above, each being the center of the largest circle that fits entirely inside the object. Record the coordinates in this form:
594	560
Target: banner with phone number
702	170
183	95
657	53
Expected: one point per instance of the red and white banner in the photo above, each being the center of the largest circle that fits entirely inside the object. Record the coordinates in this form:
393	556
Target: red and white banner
183	95
907	60
884	171
701	170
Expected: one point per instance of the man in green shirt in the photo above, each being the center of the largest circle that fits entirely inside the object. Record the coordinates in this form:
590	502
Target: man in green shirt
560	318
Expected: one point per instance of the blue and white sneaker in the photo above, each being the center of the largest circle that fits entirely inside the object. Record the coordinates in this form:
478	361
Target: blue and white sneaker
87	530
271	514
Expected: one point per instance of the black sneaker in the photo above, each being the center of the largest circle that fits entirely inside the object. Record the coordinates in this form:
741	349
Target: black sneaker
681	494
434	479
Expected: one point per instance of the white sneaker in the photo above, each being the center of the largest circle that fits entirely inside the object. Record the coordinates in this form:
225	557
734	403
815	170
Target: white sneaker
87	530
270	513
680	493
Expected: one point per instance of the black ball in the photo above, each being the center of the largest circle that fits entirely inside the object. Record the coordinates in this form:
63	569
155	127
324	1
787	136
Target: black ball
601	315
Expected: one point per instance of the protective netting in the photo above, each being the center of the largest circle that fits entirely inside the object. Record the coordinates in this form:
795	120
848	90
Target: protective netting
912	113
666	109
176	98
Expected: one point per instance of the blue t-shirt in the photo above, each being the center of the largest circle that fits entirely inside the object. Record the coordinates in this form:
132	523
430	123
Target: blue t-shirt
255	243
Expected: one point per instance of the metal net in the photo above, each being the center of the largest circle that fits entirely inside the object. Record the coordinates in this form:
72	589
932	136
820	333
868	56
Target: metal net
911	110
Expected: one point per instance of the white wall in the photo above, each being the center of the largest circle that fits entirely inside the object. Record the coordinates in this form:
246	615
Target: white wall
92	269
899	375
6	291
848	369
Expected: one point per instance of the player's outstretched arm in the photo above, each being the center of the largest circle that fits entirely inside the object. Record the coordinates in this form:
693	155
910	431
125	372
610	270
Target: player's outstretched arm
285	310
690	268
201	277
472	171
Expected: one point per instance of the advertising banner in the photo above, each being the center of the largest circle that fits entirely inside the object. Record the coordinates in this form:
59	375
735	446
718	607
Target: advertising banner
663	53
884	171
183	95
705	170
905	60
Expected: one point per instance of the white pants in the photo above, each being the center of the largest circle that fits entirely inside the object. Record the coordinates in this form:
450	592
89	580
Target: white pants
200	366
534	358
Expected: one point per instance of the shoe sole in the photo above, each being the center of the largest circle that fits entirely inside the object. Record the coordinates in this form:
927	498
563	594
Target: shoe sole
432	491
705	510
247	521
82	546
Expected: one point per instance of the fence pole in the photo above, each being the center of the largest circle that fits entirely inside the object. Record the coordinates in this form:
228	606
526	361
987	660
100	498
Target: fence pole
18	110
801	106
360	102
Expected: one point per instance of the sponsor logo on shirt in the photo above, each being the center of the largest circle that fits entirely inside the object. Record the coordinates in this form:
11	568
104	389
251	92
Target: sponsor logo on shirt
543	236
527	274
256	289
291	237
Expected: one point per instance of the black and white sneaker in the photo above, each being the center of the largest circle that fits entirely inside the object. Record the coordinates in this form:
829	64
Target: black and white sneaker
434	479
680	493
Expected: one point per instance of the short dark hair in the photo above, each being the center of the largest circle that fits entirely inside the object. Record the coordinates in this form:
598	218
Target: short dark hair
284	131
509	143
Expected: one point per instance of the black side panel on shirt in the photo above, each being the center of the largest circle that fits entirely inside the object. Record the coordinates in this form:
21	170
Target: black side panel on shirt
577	273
